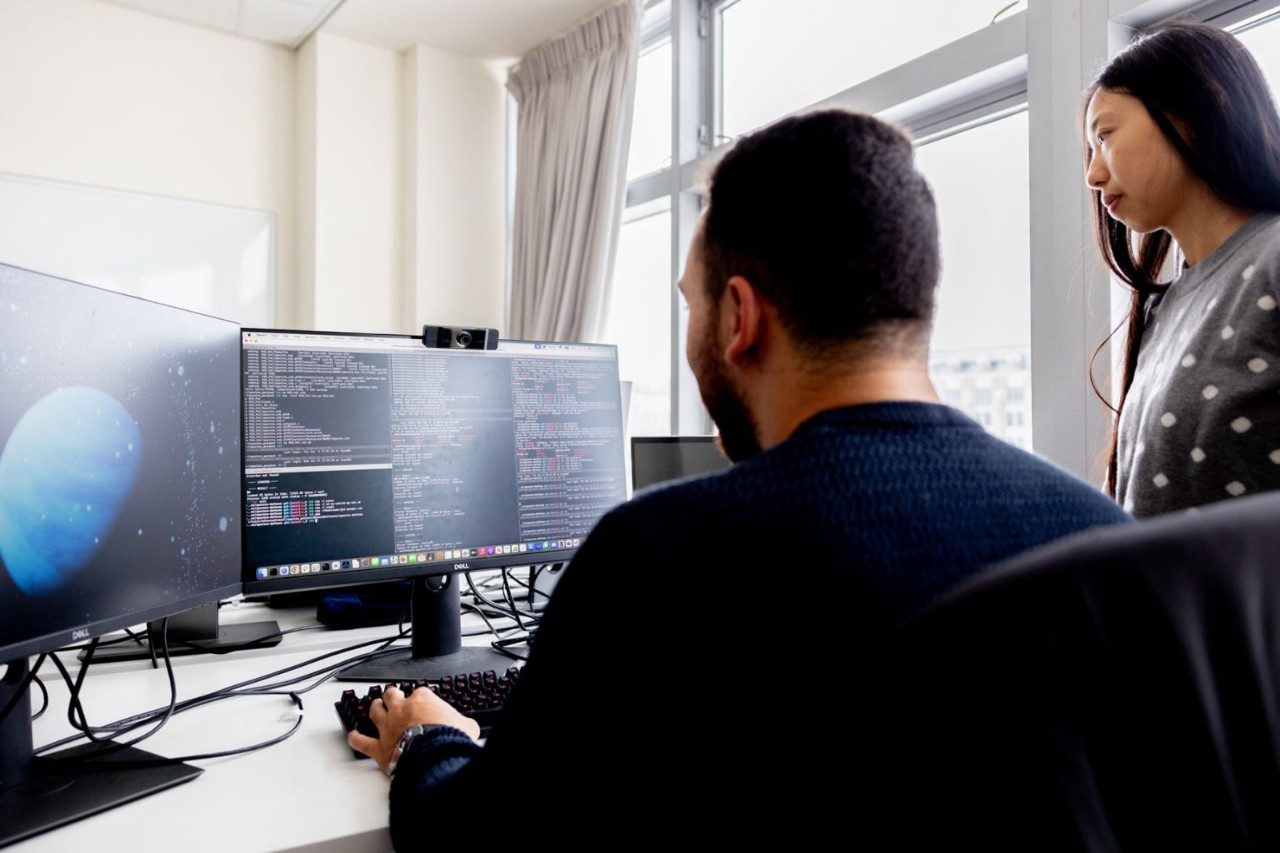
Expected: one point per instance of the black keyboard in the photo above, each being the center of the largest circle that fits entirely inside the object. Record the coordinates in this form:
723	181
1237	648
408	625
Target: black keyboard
479	695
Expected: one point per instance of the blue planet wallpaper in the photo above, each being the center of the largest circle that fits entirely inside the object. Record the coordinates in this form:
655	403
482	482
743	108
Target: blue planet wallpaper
119	458
66	470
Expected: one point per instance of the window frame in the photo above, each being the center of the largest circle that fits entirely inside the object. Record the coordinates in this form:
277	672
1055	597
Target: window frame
1039	59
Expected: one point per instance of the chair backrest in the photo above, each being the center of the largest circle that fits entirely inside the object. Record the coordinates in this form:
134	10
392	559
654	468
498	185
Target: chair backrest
1118	689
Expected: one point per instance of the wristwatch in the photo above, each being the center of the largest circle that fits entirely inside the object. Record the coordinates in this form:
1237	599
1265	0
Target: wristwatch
401	744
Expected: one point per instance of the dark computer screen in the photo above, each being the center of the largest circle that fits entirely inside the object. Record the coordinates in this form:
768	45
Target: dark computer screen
119	452
369	457
656	459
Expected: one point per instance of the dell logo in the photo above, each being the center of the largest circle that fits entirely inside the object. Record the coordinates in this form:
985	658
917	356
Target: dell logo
81	634
462	566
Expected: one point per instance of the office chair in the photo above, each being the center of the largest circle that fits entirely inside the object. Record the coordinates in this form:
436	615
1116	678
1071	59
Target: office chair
1116	690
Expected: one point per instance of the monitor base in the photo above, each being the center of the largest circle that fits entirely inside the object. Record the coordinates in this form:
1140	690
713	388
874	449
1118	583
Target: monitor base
194	632
403	666
436	649
53	795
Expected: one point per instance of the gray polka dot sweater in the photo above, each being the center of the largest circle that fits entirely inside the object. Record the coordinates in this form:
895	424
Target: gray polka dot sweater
1202	419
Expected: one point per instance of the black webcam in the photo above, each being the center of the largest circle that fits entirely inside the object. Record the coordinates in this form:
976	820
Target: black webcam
451	337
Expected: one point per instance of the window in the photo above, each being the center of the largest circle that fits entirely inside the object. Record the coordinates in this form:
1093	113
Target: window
778	56
711	68
982	327
639	318
1263	42
651	121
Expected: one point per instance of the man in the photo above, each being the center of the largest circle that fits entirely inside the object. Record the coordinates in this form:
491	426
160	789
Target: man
688	669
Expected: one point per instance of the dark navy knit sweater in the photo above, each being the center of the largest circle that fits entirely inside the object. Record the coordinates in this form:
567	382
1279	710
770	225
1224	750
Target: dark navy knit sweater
701	637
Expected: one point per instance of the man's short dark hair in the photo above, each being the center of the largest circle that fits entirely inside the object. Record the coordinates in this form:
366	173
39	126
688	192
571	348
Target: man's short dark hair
827	216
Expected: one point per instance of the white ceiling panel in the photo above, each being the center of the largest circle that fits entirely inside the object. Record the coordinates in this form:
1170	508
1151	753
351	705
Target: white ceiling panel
215	14
489	29
283	22
287	22
482	28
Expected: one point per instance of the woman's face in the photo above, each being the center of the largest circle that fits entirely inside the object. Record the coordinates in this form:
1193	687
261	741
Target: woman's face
1142	178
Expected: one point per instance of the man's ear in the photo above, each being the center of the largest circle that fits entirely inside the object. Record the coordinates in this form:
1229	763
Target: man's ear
742	320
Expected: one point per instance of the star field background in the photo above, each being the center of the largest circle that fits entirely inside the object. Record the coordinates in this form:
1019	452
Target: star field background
176	534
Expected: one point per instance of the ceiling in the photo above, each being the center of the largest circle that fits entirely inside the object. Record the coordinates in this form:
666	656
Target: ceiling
286	22
484	28
489	29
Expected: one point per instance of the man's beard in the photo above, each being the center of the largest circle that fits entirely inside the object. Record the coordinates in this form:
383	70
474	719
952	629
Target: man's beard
738	439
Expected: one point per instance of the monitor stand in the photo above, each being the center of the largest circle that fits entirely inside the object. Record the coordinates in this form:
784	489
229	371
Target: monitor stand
194	632
37	795
436	649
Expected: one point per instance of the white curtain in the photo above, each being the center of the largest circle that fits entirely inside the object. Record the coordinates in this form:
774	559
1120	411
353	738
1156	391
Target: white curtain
575	96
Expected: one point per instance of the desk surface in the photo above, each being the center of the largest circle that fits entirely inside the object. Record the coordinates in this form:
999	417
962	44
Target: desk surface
305	793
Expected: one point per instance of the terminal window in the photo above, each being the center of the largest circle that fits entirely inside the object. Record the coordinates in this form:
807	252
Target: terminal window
368	451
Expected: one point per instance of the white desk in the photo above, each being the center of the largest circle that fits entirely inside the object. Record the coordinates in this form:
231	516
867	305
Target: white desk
306	793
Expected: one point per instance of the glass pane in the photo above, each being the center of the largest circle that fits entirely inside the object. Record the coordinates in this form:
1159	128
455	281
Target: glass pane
639	321
782	55
651	121
981	353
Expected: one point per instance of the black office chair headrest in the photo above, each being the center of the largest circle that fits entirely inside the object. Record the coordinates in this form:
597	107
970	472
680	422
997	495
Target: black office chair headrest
1115	690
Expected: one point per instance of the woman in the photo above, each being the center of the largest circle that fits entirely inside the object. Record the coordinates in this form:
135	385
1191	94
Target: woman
1183	149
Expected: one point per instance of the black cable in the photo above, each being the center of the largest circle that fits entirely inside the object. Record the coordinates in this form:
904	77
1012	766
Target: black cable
324	672
161	761
511	602
75	708
74	704
479	610
139	720
475	593
517	580
297	724
44	691
500	646
22	689
321	676
245	688
529	614
497	607
127	724
492	579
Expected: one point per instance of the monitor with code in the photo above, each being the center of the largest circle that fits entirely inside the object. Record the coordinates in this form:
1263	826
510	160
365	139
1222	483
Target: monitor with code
371	457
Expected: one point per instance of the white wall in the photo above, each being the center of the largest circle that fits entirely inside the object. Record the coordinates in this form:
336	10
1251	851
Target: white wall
455	163
304	314
385	170
97	94
358	284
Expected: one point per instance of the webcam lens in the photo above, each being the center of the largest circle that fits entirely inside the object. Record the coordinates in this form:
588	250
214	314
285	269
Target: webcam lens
464	339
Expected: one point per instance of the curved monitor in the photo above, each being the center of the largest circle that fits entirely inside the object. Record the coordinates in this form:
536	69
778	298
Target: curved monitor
374	457
119	450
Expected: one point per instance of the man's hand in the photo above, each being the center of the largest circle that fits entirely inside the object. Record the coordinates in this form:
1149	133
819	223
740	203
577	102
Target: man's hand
394	713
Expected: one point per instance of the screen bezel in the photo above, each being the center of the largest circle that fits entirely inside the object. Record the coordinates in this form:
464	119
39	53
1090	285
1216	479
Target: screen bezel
54	640
252	584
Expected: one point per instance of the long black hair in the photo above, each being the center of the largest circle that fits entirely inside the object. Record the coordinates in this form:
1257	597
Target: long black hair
1205	92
